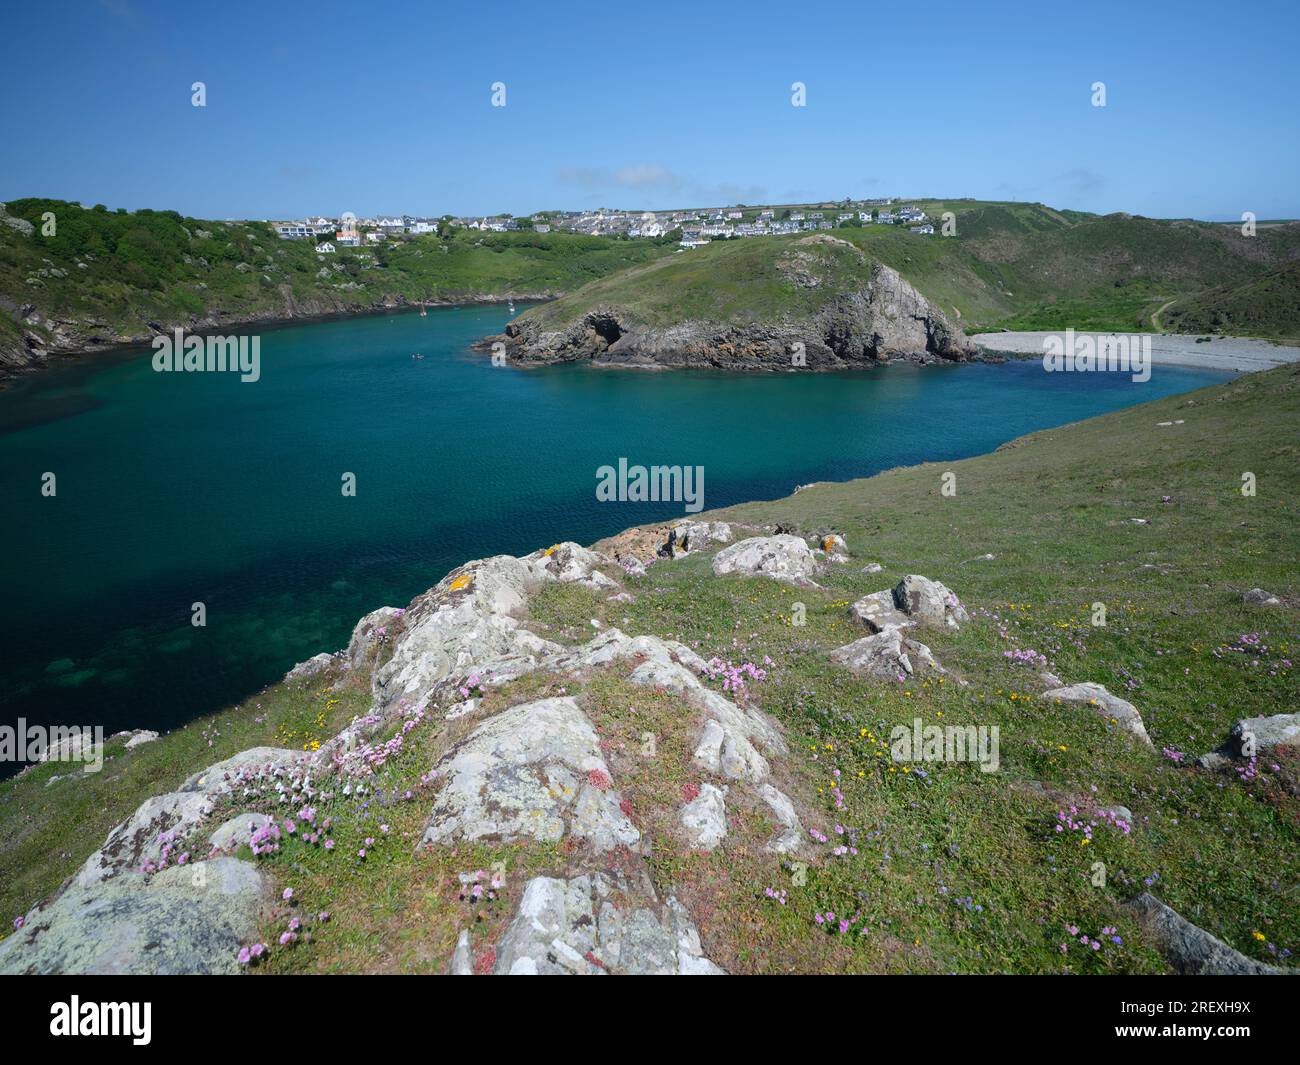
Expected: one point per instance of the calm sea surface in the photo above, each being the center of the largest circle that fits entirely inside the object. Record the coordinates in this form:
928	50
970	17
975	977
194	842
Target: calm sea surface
181	488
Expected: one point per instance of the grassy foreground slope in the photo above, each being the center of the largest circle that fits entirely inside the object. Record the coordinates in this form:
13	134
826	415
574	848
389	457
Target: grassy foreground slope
946	870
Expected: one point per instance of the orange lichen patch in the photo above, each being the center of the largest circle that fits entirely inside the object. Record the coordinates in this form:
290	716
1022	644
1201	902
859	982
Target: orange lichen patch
461	583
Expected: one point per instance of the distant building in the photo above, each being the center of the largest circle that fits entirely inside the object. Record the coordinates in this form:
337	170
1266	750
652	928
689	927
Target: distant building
293	231
925	230
541	228
325	249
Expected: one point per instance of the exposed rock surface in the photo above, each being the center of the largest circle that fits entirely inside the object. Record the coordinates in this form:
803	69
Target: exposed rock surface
791	836
688	536
1104	703
1259	597
235	831
533	770
888	654
315	665
782	557
873	318
915	600
588	925
1192	951
878	612
1261	733
140	737
705	817
929	602
186	919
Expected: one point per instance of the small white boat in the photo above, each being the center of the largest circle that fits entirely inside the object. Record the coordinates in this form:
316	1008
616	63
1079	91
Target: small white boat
423	312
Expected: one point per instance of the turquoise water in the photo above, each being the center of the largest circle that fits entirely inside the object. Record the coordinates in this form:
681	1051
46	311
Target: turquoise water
181	488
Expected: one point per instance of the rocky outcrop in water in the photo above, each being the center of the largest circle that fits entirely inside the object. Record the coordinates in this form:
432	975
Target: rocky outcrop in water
878	320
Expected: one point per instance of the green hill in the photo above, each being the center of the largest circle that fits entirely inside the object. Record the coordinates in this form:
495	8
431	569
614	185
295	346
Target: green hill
109	277
1263	306
1016	266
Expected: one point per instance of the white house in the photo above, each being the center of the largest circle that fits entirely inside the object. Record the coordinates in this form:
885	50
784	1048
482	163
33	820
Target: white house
926	230
325	249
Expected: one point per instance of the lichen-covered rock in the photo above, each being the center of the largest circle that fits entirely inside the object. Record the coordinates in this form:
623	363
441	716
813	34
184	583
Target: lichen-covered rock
140	839
236	831
185	920
791	836
565	562
878	612
1265	733
468	623
888	654
1192	951
835	547
1111	707
705	817
929	602
461	964
782	557
534	770
1259	597
586	925
367	632
1254	735
160	824
315	665
688	536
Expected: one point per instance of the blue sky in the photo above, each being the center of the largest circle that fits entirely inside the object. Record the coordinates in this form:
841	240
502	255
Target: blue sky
385	107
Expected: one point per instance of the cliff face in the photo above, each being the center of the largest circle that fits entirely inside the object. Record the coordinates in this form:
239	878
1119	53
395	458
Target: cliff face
876	318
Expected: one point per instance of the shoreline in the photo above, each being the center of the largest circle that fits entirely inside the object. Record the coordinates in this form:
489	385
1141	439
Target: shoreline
1224	353
10	373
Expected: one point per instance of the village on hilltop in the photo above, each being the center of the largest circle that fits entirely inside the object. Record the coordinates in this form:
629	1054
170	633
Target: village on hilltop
692	227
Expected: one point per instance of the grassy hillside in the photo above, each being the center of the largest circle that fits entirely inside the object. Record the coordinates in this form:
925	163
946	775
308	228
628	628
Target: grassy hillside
110	274
952	870
1263	306
1017	266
